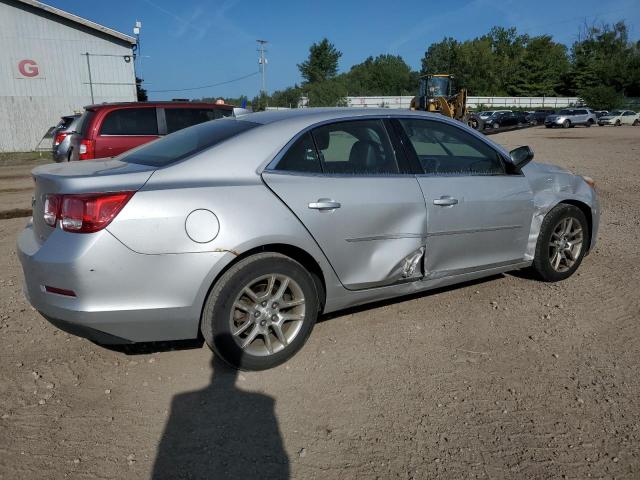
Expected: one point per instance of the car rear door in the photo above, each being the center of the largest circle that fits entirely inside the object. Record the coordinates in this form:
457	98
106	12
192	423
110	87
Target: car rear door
478	214
358	200
125	128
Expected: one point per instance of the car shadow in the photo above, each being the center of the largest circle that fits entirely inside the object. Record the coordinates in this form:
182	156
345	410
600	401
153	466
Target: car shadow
146	348
221	432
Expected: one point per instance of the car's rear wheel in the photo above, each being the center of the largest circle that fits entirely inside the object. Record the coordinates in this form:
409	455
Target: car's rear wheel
589	123
260	312
562	243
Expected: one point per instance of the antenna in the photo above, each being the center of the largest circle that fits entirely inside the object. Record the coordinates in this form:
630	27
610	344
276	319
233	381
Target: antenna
262	61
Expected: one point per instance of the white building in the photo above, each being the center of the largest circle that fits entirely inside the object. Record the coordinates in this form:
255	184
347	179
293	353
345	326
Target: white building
53	63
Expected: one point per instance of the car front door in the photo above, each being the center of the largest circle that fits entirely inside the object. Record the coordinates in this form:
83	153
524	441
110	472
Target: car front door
358	200
628	118
479	212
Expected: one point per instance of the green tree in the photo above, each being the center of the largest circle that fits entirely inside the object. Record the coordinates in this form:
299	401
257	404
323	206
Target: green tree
601	97
289	97
322	63
260	102
330	93
544	65
382	75
605	56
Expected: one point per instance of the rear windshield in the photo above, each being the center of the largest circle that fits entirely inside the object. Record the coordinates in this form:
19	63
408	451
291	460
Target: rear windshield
187	142
85	122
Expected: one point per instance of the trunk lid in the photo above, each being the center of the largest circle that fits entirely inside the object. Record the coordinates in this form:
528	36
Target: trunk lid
89	176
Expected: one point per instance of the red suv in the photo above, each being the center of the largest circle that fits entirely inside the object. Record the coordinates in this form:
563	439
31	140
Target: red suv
108	129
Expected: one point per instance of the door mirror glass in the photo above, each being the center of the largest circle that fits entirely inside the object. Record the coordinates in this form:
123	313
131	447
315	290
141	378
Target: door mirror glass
521	156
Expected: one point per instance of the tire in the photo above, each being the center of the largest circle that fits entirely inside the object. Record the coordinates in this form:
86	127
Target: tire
636	123
545	253
496	125
618	123
220	314
549	126
69	156
566	124
589	123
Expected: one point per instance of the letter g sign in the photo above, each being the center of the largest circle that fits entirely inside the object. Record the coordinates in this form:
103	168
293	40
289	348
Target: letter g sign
28	68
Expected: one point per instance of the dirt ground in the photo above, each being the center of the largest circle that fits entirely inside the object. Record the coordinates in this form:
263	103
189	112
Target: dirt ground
501	378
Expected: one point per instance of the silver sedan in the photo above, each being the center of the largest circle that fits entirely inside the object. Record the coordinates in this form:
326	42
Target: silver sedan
244	230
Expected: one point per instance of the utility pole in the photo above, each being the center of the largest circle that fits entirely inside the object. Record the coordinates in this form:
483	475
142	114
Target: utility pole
262	61
90	79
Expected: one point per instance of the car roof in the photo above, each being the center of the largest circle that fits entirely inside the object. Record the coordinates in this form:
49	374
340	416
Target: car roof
320	114
97	106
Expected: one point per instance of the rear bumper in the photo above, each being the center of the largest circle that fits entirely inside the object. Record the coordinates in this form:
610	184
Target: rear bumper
121	295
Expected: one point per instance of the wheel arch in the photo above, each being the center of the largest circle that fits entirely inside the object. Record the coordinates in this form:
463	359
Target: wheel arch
296	253
584	208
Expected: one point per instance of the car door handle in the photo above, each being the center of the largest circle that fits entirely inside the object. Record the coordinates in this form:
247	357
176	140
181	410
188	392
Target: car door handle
445	201
324	204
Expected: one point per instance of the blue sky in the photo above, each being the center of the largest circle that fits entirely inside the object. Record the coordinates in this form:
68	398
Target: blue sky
200	42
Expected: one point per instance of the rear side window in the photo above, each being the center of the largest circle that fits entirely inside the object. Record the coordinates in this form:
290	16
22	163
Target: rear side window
580	112
179	118
130	121
447	150
187	142
301	157
356	147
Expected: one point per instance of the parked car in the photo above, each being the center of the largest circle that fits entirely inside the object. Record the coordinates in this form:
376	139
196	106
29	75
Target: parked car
506	119
570	117
601	113
620	117
109	129
485	115
246	229
540	115
61	135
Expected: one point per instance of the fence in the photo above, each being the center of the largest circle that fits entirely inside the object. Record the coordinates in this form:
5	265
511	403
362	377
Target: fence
472	102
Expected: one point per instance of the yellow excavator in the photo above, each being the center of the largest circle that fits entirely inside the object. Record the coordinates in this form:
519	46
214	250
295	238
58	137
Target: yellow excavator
437	94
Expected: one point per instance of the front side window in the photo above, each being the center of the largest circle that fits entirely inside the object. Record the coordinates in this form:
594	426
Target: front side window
130	121
355	147
301	157
447	150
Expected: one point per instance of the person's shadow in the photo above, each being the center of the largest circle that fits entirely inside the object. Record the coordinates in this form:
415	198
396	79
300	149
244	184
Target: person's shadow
221	432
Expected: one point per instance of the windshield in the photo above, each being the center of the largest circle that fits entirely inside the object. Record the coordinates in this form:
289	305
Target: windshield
438	87
615	113
186	142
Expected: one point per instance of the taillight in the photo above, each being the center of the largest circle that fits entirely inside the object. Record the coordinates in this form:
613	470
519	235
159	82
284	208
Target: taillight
86	151
51	209
59	138
84	213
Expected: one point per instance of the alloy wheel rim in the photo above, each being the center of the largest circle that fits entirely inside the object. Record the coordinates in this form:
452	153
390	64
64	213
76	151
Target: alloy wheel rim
565	244
267	314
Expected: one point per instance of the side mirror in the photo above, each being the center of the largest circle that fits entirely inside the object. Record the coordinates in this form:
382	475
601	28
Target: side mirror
521	156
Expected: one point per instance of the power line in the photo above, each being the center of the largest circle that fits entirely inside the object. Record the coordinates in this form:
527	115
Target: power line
206	86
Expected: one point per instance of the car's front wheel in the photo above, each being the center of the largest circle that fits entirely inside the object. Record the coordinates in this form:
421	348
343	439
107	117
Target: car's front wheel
260	312
566	124
562	243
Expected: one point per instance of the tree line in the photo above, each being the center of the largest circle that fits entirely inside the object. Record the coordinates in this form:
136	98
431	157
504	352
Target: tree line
602	67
